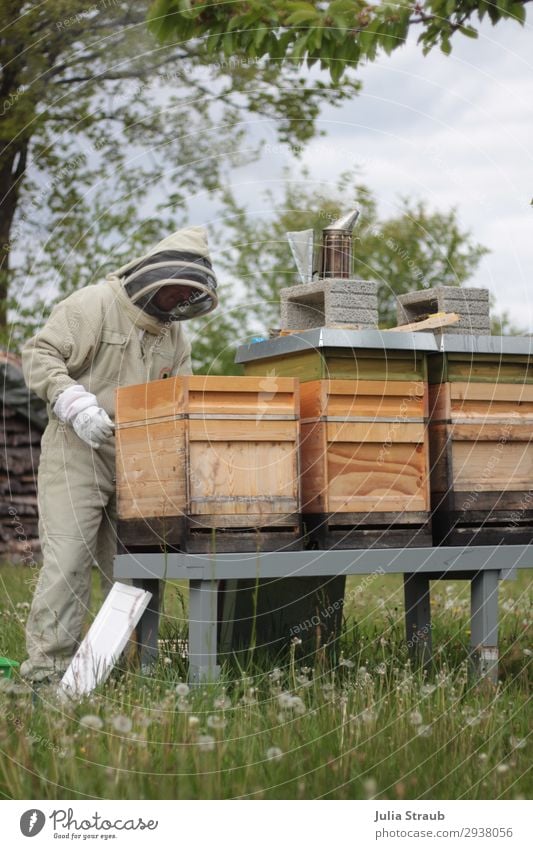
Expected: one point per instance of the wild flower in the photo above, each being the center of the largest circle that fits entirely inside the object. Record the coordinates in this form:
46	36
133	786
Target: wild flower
91	721
415	717
297	705
424	731
183	705
501	768
274	754
276	674
381	669
222	703
427	689
193	721
205	743
368	716
517	742
217	722
121	723
182	689
284	700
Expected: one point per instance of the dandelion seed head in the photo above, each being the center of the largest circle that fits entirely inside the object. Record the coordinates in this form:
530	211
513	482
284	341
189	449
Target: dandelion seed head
92	721
205	743
182	689
222	703
121	723
415	717
217	722
274	754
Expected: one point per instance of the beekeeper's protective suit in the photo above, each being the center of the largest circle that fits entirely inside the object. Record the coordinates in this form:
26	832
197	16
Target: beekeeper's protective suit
123	331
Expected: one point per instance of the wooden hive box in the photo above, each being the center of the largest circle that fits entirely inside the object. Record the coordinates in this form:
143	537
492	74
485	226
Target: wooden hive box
209	462
365	462
346	363
481	453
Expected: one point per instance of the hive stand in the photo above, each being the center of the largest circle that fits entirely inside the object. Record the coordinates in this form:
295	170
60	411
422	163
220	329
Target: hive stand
483	566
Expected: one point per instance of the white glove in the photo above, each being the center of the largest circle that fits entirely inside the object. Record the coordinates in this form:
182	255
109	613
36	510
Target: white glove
93	425
80	408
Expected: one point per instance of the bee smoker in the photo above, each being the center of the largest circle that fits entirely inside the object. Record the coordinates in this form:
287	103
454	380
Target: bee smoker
336	252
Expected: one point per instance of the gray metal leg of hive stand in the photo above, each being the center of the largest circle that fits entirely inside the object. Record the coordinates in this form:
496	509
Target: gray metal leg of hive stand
148	626
418	618
203	599
484	625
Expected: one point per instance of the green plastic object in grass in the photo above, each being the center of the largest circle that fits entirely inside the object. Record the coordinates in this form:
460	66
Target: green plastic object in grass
7	666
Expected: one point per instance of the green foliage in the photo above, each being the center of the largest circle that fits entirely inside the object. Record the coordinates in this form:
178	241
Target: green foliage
97	119
344	32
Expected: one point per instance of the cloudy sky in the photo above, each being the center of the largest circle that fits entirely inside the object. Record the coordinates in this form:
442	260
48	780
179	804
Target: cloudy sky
456	130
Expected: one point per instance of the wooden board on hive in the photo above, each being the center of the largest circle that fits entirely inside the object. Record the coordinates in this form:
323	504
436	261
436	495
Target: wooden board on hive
202	458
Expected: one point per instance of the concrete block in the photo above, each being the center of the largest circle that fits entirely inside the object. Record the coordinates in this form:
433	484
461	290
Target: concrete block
470	303
329	302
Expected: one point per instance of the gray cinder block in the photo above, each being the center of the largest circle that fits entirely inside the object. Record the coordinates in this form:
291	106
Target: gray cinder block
471	304
329	302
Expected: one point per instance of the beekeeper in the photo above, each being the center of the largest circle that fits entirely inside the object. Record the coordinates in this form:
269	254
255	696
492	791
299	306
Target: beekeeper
125	330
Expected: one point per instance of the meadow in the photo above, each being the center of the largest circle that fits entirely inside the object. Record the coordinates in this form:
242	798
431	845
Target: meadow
296	727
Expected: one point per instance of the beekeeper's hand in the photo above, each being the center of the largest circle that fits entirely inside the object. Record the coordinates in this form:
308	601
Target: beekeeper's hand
80	408
93	425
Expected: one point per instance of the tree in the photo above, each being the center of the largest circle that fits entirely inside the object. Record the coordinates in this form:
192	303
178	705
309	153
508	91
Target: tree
96	117
413	249
339	34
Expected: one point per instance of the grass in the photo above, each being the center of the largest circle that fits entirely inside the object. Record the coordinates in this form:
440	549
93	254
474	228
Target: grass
369	727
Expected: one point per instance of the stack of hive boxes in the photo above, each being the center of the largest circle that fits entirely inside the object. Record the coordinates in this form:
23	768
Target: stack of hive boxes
364	448
481	409
209	462
364	459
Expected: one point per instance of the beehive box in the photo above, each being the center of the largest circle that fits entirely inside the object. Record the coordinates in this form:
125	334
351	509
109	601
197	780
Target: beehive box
208	463
343	363
365	462
481	453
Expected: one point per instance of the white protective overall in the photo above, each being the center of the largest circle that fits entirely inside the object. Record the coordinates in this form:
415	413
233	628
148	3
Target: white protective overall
95	339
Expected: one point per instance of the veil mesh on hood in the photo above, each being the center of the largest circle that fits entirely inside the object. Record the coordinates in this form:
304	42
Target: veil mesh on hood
145	279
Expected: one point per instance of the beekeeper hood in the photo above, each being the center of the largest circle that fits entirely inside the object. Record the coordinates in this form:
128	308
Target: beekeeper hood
181	259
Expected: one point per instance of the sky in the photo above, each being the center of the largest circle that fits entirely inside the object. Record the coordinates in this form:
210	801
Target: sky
456	130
